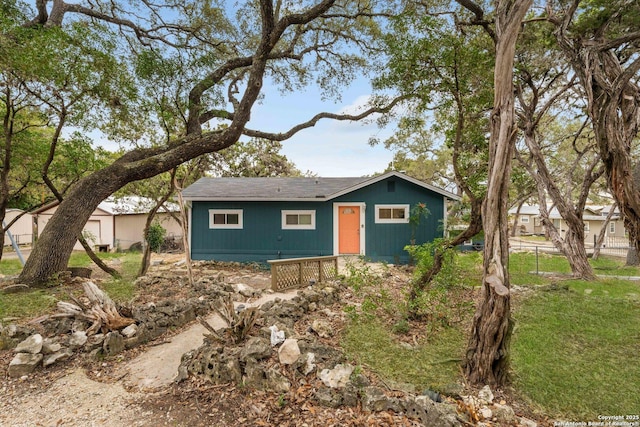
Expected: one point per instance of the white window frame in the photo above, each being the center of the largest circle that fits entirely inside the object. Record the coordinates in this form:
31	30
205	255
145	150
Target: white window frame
286	226
612	227
524	219
238	226
586	226
404	220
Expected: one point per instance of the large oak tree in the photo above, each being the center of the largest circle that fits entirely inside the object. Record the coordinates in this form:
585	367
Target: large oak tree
229	56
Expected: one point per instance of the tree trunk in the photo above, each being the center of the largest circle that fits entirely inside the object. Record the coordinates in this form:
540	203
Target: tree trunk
613	103
572	246
515	219
603	231
487	357
146	253
87	248
632	256
185	231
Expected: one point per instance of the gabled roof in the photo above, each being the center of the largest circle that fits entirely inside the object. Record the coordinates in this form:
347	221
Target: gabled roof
288	189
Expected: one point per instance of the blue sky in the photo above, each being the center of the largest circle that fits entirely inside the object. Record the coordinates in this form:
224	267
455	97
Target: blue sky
331	148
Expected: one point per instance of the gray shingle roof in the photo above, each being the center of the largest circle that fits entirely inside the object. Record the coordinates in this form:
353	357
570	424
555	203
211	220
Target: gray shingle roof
265	189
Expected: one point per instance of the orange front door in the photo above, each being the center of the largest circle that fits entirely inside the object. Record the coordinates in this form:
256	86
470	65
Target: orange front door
349	229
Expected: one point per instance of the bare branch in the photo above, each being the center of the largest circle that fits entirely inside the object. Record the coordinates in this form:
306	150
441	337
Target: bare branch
312	122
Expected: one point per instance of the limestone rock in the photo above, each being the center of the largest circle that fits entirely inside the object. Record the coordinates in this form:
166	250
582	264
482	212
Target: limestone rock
309	366
328	397
289	352
77	339
432	413
130	330
374	399
486	395
94	341
58	356
17	331
113	343
322	328
504	414
526	422
32	345
486	413
336	377
256	348
275	381
49	346
254	375
244	290
23	364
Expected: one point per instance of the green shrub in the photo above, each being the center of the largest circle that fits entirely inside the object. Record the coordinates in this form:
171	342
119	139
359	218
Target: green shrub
155	236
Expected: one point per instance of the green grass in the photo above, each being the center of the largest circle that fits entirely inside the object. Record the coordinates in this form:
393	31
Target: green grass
575	355
10	267
40	301
429	366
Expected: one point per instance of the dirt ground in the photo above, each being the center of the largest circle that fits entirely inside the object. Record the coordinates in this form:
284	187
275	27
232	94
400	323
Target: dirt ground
89	392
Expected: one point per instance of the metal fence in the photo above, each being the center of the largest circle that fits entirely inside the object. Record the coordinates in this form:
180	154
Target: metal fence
544	250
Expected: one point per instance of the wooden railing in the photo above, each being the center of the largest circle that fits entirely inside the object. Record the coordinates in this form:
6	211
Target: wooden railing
298	272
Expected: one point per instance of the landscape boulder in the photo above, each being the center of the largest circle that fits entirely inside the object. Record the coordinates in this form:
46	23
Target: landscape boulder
336	377
32	345
289	351
23	364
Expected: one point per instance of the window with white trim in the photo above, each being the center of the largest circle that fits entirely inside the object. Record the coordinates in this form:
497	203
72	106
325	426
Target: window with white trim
392	214
225	218
298	220
524	219
586	226
612	227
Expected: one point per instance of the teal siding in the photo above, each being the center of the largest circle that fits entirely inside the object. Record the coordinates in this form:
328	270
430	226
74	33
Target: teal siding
386	242
262	237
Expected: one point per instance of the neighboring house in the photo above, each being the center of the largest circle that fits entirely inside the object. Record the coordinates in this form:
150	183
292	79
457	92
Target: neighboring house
258	219
21	230
115	224
528	220
593	217
131	215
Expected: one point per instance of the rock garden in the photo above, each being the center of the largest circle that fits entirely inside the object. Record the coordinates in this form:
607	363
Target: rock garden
265	359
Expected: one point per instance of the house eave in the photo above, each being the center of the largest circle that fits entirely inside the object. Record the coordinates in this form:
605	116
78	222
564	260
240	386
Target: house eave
384	176
256	199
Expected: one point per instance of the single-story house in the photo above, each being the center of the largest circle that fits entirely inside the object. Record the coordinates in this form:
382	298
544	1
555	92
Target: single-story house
529	222
131	215
259	219
116	224
21	230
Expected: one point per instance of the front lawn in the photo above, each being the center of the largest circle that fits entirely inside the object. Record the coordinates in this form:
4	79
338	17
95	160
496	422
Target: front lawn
574	351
